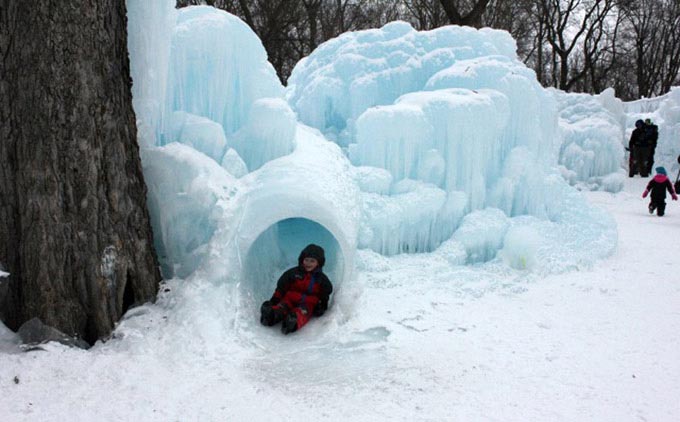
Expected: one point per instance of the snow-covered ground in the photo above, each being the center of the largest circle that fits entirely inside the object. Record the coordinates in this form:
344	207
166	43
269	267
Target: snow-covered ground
521	303
412	338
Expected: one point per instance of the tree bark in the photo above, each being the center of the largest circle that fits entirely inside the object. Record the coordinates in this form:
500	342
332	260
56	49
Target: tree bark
74	227
473	18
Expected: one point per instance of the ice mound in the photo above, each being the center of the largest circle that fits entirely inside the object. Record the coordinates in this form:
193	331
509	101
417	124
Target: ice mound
520	247
592	153
345	76
198	132
218	68
234	164
482	233
373	179
451	113
187	191
224	103
531	119
440	142
425	135
416	217
150	30
268	134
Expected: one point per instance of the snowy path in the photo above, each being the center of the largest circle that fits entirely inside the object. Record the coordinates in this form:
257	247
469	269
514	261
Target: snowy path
403	343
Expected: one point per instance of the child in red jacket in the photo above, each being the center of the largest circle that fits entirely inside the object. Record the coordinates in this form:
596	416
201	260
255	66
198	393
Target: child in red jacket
301	292
658	187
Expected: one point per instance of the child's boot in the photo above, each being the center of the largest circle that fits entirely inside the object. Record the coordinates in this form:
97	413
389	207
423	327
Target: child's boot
289	324
661	209
266	314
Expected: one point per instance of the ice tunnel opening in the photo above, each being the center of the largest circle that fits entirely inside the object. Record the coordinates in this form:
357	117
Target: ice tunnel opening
277	249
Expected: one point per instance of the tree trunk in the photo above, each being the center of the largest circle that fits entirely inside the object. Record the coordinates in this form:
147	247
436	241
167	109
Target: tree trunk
74	228
312	8
473	18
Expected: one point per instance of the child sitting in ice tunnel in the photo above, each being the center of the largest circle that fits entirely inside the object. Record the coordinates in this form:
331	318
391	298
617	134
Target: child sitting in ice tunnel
301	292
658	187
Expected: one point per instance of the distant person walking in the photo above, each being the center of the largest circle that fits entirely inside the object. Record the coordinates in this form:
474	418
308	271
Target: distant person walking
652	133
639	150
658	187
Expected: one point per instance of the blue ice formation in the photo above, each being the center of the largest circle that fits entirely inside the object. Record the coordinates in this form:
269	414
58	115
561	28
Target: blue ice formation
389	139
452	109
236	185
217	68
591	151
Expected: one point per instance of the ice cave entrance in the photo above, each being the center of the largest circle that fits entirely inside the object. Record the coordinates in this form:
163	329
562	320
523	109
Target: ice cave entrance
278	247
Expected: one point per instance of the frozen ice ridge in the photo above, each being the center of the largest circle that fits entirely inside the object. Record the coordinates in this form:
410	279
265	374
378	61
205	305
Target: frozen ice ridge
388	139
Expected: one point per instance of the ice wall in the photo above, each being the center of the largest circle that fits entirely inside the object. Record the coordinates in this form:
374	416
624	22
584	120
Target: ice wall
591	153
235	185
218	68
345	76
150	27
445	112
444	142
190	197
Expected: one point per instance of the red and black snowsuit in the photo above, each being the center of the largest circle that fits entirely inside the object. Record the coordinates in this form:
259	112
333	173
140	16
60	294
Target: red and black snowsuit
658	187
299	294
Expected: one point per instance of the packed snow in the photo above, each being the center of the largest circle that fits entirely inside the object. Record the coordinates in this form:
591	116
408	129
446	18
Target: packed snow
490	258
413	337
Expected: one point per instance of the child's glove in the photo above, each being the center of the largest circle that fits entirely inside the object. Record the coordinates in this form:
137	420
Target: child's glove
675	197
645	193
320	309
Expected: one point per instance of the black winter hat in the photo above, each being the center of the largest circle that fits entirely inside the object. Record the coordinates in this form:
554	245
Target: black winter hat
313	251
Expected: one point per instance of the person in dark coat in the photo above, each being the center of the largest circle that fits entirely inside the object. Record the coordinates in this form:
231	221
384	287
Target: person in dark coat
658	187
652	132
301	292
639	150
